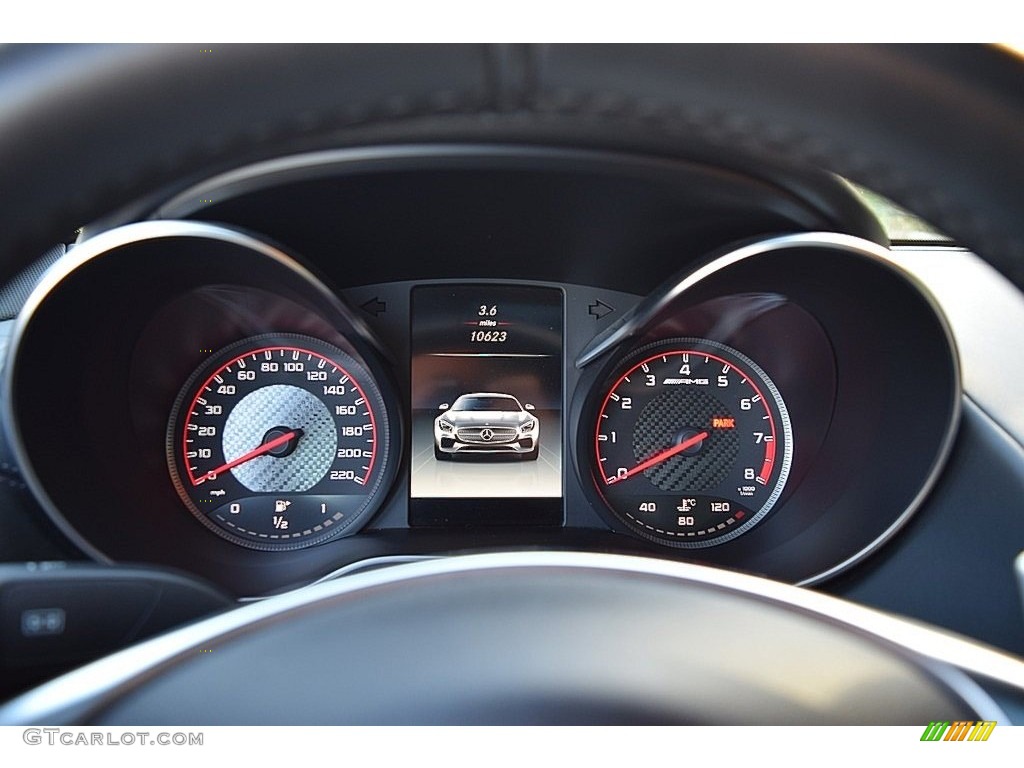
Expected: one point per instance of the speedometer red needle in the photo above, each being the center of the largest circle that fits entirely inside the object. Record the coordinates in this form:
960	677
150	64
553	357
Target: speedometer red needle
657	458
255	452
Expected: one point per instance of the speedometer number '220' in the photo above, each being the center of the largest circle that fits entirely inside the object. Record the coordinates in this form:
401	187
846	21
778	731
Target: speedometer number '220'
279	442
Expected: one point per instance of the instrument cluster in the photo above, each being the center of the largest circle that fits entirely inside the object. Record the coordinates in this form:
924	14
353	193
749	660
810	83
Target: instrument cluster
196	395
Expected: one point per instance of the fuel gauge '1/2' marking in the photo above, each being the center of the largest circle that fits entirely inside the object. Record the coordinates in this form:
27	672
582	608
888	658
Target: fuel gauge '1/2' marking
693	443
279	442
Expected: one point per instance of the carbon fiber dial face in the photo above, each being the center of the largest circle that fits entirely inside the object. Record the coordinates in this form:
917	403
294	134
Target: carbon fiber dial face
279	442
692	443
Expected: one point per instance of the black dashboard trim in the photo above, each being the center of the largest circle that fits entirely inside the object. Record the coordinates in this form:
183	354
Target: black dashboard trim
824	197
104	244
645	313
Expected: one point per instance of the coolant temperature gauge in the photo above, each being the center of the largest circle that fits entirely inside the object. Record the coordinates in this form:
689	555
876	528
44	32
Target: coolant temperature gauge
692	443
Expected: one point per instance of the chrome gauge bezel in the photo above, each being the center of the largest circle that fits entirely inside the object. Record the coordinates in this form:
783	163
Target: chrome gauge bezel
792	543
106	485
322	530
777	477
859	438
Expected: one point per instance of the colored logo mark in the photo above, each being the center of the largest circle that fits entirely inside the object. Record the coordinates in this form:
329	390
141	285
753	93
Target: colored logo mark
961	730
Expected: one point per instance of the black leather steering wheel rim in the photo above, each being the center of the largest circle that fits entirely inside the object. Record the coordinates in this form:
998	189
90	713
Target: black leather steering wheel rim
535	638
86	129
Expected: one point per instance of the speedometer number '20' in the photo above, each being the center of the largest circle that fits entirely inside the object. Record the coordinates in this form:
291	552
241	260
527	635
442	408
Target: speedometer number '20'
279	442
693	444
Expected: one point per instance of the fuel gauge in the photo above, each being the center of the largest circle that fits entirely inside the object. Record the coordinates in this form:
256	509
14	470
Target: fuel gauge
280	442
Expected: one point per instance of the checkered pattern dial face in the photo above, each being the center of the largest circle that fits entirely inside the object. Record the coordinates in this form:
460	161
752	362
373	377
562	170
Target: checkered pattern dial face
692	443
279	442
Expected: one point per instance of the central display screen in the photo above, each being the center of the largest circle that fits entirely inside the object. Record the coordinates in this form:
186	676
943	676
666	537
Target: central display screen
486	405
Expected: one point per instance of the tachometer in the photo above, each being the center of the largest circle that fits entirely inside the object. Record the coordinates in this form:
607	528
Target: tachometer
692	443
279	442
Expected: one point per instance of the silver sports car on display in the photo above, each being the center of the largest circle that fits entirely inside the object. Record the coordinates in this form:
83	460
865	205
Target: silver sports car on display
783	468
486	423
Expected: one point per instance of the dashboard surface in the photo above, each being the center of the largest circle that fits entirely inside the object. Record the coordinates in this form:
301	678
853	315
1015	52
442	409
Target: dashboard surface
455	304
222	303
379	291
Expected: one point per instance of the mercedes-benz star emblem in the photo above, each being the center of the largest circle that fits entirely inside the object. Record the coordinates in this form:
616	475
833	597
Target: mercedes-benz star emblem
486	434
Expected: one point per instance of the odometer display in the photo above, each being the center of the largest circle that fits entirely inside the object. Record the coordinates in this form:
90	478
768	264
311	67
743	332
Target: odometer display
692	443
279	442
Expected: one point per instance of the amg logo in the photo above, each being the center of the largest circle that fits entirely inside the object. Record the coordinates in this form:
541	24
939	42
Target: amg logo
961	730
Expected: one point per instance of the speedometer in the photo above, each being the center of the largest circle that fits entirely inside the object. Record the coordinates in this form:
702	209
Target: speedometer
692	443
279	442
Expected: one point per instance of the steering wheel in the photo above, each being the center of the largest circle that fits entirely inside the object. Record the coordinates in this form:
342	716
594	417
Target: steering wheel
523	637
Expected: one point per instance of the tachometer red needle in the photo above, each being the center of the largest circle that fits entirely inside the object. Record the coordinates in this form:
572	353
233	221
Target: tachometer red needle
265	448
657	458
